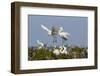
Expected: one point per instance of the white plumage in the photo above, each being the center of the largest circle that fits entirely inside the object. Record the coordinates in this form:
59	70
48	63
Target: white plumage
40	44
56	51
61	50
62	34
46	29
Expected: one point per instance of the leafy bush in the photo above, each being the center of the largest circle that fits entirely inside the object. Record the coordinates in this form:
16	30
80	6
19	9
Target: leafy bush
46	54
42	54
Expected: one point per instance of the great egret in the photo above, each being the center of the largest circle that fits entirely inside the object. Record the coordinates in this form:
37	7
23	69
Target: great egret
41	45
61	33
56	51
63	50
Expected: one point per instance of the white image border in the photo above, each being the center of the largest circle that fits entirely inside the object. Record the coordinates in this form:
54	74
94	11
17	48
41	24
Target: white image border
25	64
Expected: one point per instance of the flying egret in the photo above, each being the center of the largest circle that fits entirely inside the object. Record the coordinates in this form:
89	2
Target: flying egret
41	45
62	34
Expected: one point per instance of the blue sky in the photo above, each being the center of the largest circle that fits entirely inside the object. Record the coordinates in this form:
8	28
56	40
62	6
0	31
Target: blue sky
75	26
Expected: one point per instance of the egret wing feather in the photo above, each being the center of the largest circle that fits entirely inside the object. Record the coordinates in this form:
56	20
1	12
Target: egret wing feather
46	29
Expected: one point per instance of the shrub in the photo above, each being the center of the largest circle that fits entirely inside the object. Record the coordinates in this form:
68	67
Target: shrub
46	54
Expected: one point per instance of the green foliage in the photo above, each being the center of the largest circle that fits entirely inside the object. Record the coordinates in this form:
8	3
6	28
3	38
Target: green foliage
64	56
78	52
42	54
46	54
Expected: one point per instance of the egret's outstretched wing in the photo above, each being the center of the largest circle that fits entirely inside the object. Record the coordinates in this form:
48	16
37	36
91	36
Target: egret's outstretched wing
46	29
66	33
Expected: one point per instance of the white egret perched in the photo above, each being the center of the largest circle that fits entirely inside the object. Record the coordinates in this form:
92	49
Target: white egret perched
56	51
63	50
41	45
